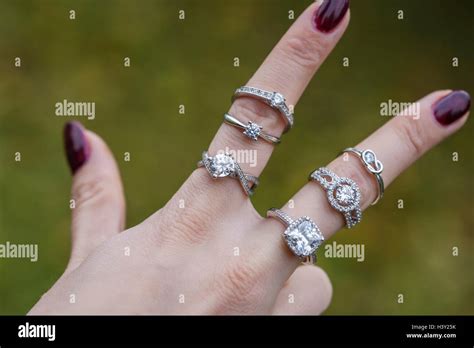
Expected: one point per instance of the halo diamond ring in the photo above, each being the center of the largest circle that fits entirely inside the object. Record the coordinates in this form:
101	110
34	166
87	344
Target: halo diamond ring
302	236
343	194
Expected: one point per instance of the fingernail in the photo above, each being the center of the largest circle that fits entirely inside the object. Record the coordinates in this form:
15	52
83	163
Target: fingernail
452	107
330	14
76	145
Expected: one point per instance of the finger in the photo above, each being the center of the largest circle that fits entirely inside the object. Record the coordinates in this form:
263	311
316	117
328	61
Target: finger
307	292
397	144
97	195
287	70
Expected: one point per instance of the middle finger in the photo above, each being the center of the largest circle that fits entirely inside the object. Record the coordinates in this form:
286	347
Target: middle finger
287	70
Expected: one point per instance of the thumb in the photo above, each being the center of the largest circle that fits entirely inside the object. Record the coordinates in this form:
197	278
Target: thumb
98	202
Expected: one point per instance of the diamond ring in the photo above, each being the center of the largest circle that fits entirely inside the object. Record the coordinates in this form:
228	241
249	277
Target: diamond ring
273	99
302	236
373	166
343	194
251	129
222	165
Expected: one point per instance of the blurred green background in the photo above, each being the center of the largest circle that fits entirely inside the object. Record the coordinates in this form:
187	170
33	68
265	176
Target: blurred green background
407	251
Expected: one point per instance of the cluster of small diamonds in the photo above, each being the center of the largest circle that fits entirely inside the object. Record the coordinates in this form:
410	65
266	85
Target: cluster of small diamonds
320	176
353	217
336	188
341	204
243	180
282	216
255	91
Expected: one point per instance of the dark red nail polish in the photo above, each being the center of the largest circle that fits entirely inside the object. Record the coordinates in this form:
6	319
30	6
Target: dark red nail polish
76	145
452	107
330	14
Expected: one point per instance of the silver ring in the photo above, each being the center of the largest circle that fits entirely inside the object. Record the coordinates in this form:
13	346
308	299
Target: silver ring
343	194
223	165
251	129
273	99
373	166
302	236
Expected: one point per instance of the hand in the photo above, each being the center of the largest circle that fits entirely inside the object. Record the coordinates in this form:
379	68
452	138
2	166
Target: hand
182	260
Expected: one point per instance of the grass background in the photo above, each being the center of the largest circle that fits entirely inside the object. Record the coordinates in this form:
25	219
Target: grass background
408	251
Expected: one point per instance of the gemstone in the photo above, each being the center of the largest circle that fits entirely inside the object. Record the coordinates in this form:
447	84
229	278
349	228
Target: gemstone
221	165
344	194
277	99
252	130
303	237
369	157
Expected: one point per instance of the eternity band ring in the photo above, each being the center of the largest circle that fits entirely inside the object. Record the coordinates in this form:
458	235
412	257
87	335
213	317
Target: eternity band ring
251	129
274	99
302	236
373	166
223	165
343	194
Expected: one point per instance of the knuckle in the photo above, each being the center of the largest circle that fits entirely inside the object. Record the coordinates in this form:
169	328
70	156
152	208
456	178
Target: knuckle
94	191
240	288
304	50
412	135
190	224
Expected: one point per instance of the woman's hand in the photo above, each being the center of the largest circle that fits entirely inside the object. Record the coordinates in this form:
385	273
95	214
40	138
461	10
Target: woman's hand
208	251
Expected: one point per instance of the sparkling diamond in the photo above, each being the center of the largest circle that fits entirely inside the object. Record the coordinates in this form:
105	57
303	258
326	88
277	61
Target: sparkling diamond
369	157
277	99
303	237
344	194
222	165
252	130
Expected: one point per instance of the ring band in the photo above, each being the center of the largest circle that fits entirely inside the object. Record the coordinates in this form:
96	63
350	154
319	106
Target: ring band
302	236
273	99
343	194
251	130
373	166
223	165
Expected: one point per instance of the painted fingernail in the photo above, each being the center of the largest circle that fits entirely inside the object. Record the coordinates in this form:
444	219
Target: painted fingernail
76	145
330	14
452	107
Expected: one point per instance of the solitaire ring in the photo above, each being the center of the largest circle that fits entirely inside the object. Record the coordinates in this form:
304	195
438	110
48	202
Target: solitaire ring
373	166
273	99
343	194
251	129
302	236
223	165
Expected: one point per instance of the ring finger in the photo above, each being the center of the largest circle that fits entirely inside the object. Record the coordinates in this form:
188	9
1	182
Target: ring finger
287	70
397	144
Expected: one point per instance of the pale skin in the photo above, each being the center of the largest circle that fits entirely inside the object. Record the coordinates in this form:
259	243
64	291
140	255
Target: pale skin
181	260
